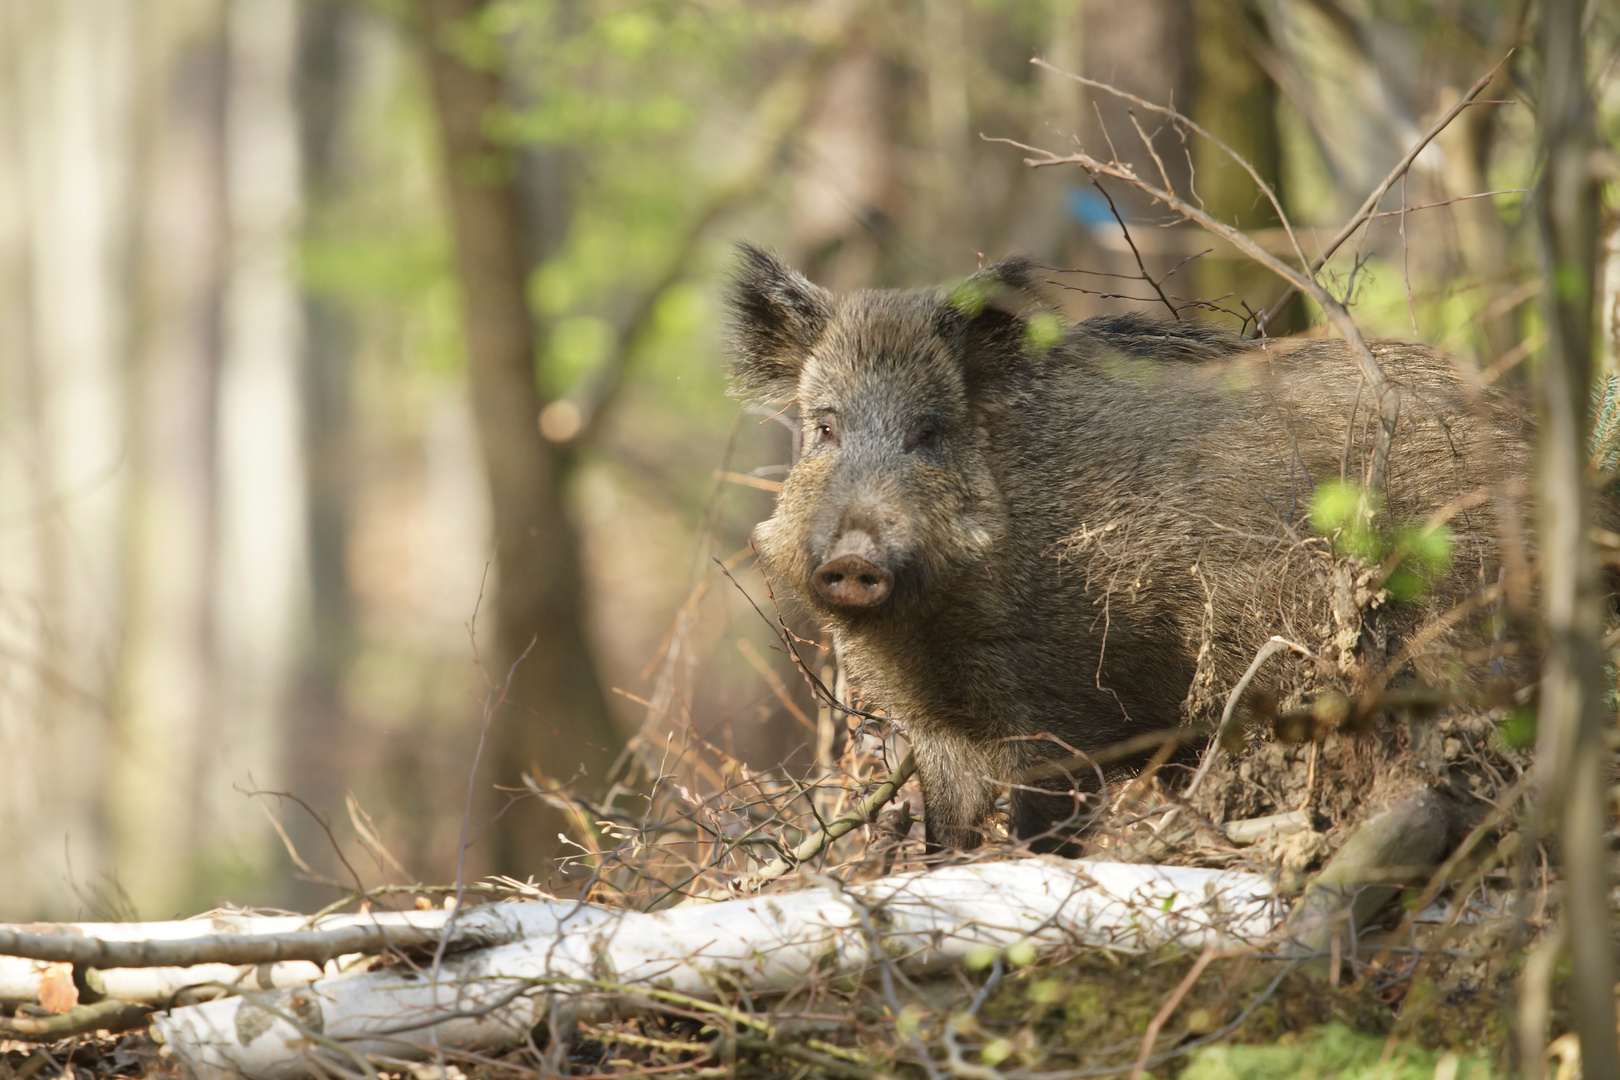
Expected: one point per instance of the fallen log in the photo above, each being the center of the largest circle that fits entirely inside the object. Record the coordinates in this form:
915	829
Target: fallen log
1397	847
109	1015
593	960
153	962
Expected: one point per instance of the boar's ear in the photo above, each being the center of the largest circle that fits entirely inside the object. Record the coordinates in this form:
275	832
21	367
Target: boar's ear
997	320
776	315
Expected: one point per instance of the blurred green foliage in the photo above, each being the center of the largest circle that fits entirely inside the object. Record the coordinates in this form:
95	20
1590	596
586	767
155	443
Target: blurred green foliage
1345	512
1353	519
1334	1052
1518	728
1043	331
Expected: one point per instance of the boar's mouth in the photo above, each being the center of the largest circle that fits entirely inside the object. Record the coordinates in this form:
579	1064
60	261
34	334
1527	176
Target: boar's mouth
853	577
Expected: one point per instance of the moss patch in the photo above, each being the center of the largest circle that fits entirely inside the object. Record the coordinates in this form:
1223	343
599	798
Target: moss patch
1334	1052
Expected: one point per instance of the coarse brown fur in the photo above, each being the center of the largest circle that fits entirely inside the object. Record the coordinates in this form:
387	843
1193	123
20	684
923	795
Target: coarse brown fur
1089	540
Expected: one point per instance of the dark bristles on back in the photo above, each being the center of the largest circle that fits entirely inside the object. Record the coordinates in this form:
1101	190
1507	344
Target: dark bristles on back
1146	336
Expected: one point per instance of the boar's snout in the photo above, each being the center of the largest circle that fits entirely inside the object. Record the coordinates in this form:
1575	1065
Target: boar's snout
853	575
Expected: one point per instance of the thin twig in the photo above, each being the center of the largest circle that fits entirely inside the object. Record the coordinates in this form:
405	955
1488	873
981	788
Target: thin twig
1273	646
818	841
1454	199
1378	193
1151	1036
1140	265
1190	125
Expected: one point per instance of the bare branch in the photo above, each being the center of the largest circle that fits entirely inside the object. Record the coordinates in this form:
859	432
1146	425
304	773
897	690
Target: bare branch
1190	125
109	1015
1378	193
1224	729
1152	1035
315	945
1448	202
1147	142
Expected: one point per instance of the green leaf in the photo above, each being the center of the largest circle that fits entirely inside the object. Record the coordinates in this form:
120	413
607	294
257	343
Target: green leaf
1432	548
1406	584
628	32
1044	330
979	958
1334	505
969	297
578	343
1045	991
1518	730
1344	512
996	1051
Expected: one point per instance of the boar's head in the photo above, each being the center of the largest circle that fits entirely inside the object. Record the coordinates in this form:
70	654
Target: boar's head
892	502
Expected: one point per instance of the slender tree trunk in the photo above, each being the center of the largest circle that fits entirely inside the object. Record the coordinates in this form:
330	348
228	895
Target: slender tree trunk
319	727
842	195
1237	103
558	720
1481	233
1148	48
29	560
178	269
1573	717
259	597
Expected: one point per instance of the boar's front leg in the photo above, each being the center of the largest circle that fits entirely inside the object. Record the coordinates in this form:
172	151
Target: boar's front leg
957	788
1047	821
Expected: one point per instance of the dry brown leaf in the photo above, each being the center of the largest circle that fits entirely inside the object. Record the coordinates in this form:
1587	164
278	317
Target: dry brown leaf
56	989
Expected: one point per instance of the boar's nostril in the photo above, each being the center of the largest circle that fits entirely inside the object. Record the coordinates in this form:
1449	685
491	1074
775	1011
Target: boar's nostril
851	581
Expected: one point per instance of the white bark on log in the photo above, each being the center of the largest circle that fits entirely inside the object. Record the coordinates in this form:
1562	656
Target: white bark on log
595	958
172	956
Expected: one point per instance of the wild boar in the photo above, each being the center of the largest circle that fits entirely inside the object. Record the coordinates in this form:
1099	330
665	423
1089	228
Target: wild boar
1028	539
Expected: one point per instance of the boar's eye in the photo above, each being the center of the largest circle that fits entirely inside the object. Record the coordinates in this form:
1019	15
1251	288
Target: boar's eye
925	437
826	429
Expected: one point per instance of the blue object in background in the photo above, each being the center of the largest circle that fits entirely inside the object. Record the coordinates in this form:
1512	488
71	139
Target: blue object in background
1087	206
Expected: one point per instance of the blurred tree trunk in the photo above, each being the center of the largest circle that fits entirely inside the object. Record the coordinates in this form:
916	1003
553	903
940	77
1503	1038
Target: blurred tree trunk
945	184
558	719
1237	103
178	267
65	112
319	729
1034	215
547	172
1481	233
259	597
1148	48
1572	756
40	722
841	216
